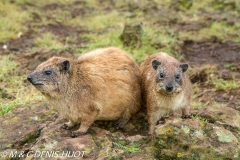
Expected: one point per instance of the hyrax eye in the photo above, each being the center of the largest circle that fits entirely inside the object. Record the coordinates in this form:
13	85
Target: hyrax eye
178	77
48	73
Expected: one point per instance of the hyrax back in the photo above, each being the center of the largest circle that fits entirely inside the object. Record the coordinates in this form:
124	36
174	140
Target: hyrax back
165	87
100	85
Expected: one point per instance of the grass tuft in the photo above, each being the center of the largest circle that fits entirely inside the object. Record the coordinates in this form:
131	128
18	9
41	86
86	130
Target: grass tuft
11	20
48	40
226	85
13	90
132	148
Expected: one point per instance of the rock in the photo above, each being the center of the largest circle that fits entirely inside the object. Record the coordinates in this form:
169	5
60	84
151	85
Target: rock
223	116
18	128
192	139
36	129
34	132
132	34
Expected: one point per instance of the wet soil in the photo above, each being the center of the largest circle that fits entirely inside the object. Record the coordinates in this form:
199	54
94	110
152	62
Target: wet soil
65	32
213	53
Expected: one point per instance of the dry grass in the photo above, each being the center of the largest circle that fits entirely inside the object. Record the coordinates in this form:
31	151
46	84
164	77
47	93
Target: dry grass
48	40
11	20
13	90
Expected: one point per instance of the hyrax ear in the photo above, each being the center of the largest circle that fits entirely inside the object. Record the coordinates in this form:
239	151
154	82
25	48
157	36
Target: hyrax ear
184	67
65	66
155	64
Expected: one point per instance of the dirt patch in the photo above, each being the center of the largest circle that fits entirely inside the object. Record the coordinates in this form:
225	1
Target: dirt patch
52	6
23	42
212	60
215	53
219	16
190	26
81	11
77	8
67	34
225	98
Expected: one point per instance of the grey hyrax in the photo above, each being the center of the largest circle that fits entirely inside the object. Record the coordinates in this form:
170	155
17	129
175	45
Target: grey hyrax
103	84
165	87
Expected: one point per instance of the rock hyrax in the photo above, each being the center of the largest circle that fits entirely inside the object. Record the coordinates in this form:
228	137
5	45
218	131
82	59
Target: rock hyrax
165	87
103	84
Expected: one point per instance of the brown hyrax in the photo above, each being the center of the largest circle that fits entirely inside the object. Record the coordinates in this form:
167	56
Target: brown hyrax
103	84
165	87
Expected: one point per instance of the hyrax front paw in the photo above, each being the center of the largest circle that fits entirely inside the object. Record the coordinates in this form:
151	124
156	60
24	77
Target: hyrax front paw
76	134
187	117
65	126
121	123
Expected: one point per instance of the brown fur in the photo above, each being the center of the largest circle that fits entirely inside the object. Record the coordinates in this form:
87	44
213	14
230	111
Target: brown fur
100	85
159	102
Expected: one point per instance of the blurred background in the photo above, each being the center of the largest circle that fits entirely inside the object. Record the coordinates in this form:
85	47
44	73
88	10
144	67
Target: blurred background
204	33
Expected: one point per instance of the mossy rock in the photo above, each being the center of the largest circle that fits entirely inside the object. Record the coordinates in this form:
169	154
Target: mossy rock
189	139
132	34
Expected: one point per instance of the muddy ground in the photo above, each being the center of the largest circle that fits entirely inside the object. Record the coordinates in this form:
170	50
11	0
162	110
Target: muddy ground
216	108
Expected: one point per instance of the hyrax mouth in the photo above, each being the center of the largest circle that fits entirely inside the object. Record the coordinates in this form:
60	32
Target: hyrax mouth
37	84
30	79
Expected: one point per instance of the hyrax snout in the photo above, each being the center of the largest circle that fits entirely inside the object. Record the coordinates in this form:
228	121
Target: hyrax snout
103	84
165	87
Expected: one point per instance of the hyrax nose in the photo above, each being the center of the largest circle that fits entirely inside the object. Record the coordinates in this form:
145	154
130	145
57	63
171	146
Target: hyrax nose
169	87
29	78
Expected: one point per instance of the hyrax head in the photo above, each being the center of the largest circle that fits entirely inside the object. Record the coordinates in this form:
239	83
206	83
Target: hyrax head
169	76
49	76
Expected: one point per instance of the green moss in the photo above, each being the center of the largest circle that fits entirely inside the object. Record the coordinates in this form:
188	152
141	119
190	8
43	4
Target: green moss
185	129
231	66
30	138
225	85
50	145
115	158
226	137
203	119
88	150
165	130
132	147
199	134
236	155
